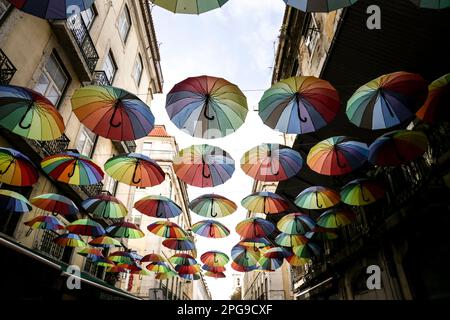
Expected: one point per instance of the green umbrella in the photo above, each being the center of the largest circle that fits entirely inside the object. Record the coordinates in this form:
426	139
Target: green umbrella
189	6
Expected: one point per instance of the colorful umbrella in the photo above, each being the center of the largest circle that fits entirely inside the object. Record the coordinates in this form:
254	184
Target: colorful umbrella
299	105
158	207
207	107
213	269
269	264
189	277
165	275
152	257
13	202
337	156
317	198
296	261
265	202
432	4
103	262
16	169
397	148
72	168
141	273
214	258
86	227
29	114
105	242
387	101
271	162
56	204
91	253
256	243
125	230
181	244
204	166
436	105
70	240
212	205
245	256
122	257
193	269
51	9
45	223
296	223
322	234
112	113
254	228
189	6
105	206
240	268
135	170
361	192
217	275
290	240
183	259
336	218
167	229
308	250
275	253
319	5
210	229
115	269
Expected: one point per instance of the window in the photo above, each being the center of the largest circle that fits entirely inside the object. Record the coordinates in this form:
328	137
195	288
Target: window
86	142
110	66
88	16
4	7
124	24
53	80
312	36
147	149
111	185
137	70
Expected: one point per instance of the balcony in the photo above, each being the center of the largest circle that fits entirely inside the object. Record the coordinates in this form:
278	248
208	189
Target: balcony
99	78
125	146
7	69
48	148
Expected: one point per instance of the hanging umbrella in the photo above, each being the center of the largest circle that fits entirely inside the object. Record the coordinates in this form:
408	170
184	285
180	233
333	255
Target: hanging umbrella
112	113
105	242
296	223
103	262
290	240
308	250
214	258
158	267
91	253
275	253
317	198
321	234
189	6
165	275
436	106
122	257
336	218
70	240
56	204
131	266
158	207
86	227
255	242
239	268
72	168
141	273
125	230
299	105
210	229
212	205
397	148
213	269
167	229
255	228
271	162
245	256
217	275
116	269
337	156
265	202
135	170
16	169
45	223
432	4
183	259
105	206
269	264
387	101
319	5
361	192
207	107
29	114
204	166
152	257
13	202
296	261
193	269
189	277
51	9
181	244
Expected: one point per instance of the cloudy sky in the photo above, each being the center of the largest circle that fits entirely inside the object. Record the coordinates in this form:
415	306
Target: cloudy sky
237	43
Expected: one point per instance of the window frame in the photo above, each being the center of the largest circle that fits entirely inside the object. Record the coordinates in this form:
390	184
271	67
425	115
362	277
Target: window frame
125	12
85	131
139	61
110	55
94	16
7	11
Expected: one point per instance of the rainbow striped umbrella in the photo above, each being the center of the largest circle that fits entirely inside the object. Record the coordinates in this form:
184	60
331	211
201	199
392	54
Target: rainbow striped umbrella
141	273
322	234
397	148
105	206
112	113
271	162
207	107
189	277
123	258
210	229
213	269
70	240
254	228
317	198
212	205
307	251
337	156
165	275
152	257
116	269
29	114
290	240
432	4
255	242
336	218
56	204
103	262
16	169
189	6
125	230
193	269
296	223
158	207
105	242
180	244
72	168
86	227
45	223
135	170
51	9
214	258
265	202
296	261
217	275
361	192
204	166
299	105
387	101
183	259
132	266
239	268
245	256
319	5
13	202
275	253
435	107
91	253
269	264
167	229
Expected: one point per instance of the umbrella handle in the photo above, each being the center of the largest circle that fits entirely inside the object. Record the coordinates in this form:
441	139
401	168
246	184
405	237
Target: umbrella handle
71	174
211	232
24	116
245	255
215	259
305	119
317	202
55	214
212	213
134	174
29	232
205	110
362	194
7	168
111	121
203	171
127	233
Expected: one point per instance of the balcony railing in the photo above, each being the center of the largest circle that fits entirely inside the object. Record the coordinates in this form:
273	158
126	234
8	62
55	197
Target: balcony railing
91	190
100	78
7	69
47	148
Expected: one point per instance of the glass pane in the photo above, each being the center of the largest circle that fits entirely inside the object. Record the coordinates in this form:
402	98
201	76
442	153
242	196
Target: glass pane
88	17
137	70
42	84
55	72
53	95
109	67
124	24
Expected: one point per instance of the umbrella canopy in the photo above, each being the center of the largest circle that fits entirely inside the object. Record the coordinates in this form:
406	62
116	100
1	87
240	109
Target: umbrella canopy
299	105
255	228
125	230
29	114
436	106
213	269
72	168
45	223
55	203
152	257
189	6
13	202
387	101
290	240
271	162
337	156
265	202
135	170
210	229
308	250
240	268
16	169
269	264
217	275
105	206
141	273
181	244
275	253
204	166
52	9
115	269
86	227
112	113
432	4
397	148
165	275
207	107
212	206
319	5
361	192
91	252
103	262
296	261
336	218
70	240
167	229
322	234
214	258
158	207
296	223
193	269
122	257
105	242
256	243
245	256
317	198
189	277
183	259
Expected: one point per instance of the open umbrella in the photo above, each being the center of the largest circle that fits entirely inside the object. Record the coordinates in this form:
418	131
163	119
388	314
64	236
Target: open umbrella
204	166
105	206
16	169
317	198
116	269
189	277
319	5
135	170
321	234
336	218
86	227
214	258
432	4
152	257
141	273
308	250
212	205
29	114
125	230
254	228
217	275
290	240
271	162
182	259
192	269
105	242
387	101
72	168
299	105
70	240
13	202
207	107
337	156
180	244
436	106
296	261
52	9
256	243
269	264
245	256
240	268
56	204
265	202
112	113
275	253
214	269
91	253
103	262
158	207
123	258
296	223
165	275
361	192
45	223
210	229
167	229
189	6
397	148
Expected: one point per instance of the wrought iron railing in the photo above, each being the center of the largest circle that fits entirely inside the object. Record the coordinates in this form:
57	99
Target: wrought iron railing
48	148
7	69
90	190
100	78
